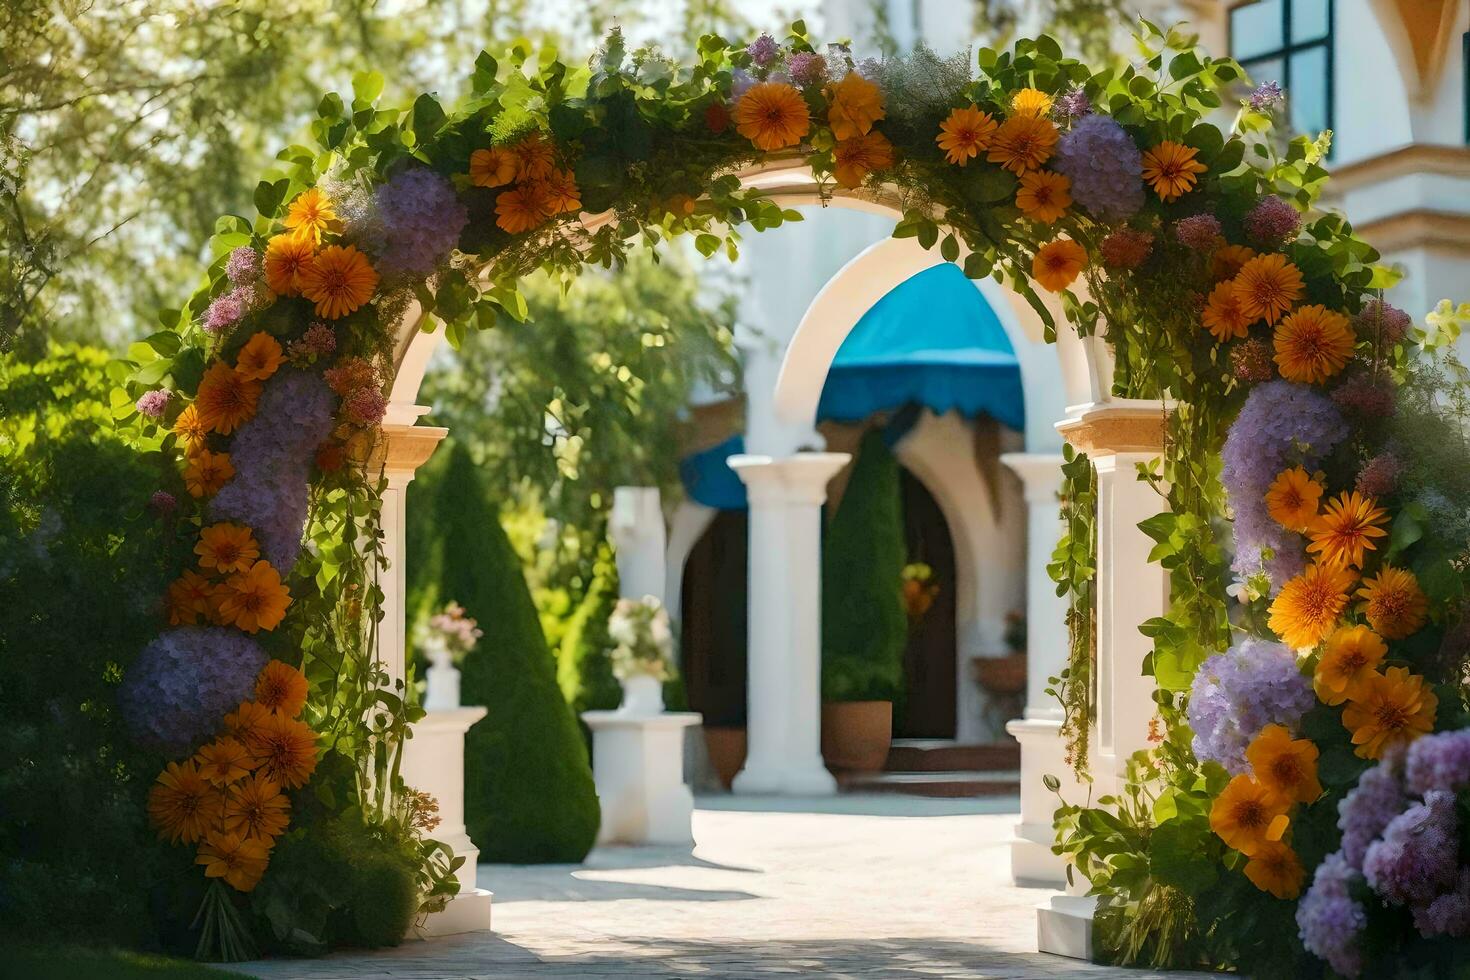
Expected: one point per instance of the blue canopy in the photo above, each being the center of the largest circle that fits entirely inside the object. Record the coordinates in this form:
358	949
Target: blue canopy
709	480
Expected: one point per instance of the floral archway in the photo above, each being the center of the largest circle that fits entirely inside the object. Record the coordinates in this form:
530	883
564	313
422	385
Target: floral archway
1192	251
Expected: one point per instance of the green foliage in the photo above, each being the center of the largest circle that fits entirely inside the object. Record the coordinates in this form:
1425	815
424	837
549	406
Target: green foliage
528	789
1074	568
864	627
583	668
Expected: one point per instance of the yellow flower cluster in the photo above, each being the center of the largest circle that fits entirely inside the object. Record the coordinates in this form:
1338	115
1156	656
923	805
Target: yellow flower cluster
539	189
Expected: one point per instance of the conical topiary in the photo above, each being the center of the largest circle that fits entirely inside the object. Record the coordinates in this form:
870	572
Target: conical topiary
584	668
529	796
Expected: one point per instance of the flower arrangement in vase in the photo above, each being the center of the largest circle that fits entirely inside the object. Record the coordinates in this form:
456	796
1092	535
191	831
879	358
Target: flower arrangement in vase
919	590
446	638
643	658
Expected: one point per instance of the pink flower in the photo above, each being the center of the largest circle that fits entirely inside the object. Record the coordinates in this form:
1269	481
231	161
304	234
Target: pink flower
153	403
365	406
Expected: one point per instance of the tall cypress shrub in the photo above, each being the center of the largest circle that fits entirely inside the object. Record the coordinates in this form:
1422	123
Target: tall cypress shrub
864	628
529	796
584	668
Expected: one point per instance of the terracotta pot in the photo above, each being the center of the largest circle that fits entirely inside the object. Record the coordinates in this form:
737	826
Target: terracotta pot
856	734
1000	675
726	752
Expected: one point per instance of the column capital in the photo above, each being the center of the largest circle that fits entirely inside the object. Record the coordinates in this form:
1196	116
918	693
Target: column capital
1040	474
407	447
797	479
1119	425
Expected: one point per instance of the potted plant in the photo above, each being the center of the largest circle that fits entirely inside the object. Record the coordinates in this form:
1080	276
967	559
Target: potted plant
864	617
919	590
445	639
642	660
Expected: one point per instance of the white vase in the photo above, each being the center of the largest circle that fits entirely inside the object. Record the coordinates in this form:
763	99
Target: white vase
443	679
643	695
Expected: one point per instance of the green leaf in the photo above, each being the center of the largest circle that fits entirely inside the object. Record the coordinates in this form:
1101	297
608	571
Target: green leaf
928	234
428	117
269	195
366	87
949	249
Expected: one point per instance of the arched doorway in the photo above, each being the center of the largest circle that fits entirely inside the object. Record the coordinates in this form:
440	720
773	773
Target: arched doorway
929	707
713	621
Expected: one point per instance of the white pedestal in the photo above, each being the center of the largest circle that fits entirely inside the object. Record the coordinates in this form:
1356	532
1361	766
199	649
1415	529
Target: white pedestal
433	763
638	765
1033	865
1064	926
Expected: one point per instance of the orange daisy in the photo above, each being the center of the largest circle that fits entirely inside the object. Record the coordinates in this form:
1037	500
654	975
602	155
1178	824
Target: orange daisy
256	809
223	761
205	472
1023	143
247	722
1392	708
1030	102
226	547
190	429
1275	868
1058	263
562	195
1393	603
240	862
1308	606
310	214
339	280
1267	286
965	133
492	167
772	115
1351	656
1044	196
855	158
285	750
1228	260
535	157
1247	816
853	105
259	358
1346	529
182	805
254	599
522	207
1293	499
285	257
1170	169
281	688
188	598
1313	344
1286	767
1222	316
226	399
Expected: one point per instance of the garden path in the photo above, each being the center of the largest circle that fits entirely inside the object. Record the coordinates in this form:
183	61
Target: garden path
856	886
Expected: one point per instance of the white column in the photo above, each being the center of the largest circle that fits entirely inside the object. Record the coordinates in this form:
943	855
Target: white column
636	526
404	449
785	659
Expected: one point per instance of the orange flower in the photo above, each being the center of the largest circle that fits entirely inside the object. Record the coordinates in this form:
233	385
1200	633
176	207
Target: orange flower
1293	499
965	133
188	598
522	208
339	280
1394	605
1275	868
853	105
855	158
1058	263
1170	169
259	358
182	805
1286	767
247	722
226	399
206	472
1044	196
281	688
1030	102
256	809
535	157
285	257
1228	260
1352	655
1222	316
562	195
1247	816
1313	344
1346	529
1267	286
190	429
1308	606
223	761
772	115
1392	708
493	167
310	214
239	862
226	548
1023	143
254	599
285	750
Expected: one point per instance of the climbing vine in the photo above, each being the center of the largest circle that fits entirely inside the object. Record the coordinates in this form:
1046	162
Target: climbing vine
1074	568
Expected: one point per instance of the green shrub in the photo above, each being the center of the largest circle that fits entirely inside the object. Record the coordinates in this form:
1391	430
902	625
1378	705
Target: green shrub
864	628
529	795
583	667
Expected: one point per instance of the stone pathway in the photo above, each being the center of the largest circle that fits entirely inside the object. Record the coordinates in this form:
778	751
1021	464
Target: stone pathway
857	886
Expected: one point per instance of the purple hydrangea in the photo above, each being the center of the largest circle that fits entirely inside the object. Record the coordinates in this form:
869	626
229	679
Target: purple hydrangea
1417	857
1272	222
1330	920
1369	807
1072	104
153	403
1380	320
175	693
1105	167
1447	914
741	81
243	266
272	455
422	218
1282	424
1267	96
807	68
1439	762
1237	693
1200	232
763	51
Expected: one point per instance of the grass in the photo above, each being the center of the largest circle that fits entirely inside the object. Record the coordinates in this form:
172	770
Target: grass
74	963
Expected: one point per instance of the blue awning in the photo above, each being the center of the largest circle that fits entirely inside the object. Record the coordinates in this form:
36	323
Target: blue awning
709	480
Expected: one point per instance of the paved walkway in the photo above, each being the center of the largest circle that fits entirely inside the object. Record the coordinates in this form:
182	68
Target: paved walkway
869	887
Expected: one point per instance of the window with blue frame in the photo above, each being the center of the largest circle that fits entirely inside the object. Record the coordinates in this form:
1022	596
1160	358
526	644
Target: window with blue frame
1289	41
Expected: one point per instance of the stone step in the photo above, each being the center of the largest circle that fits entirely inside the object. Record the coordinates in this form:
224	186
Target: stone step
946	755
948	785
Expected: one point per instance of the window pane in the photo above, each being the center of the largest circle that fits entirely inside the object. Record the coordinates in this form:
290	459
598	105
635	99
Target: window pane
1308	20
1255	29
1266	70
1308	96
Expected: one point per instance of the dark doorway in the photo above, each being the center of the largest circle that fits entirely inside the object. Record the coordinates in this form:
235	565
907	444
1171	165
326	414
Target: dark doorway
928	708
713	621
